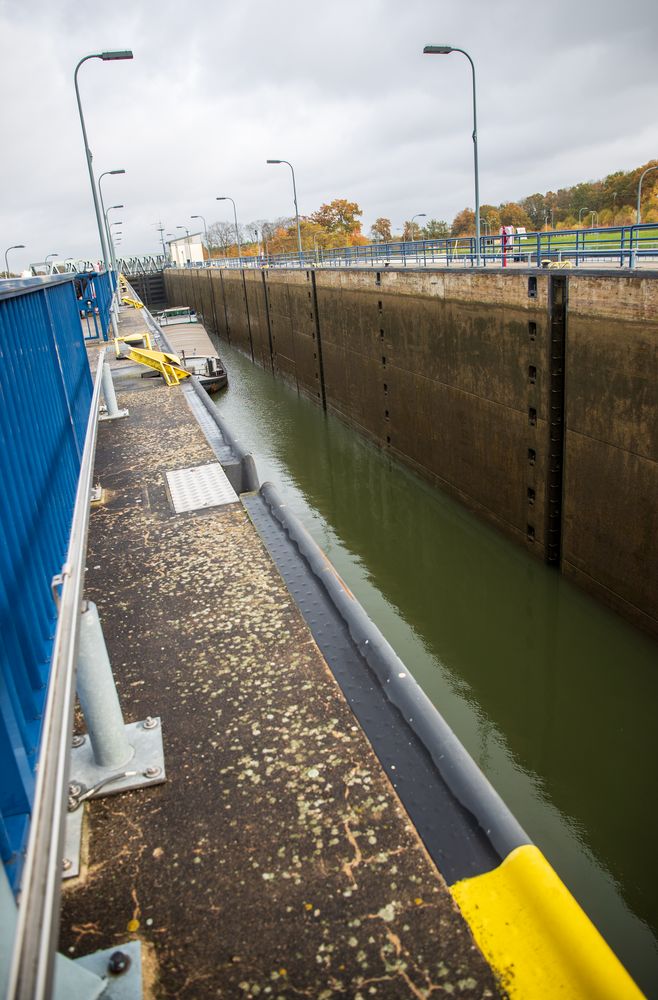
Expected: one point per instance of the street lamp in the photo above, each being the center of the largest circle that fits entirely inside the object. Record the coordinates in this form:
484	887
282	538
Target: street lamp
50	255
109	235
594	215
106	173
16	246
443	50
106	57
419	215
585	209
235	217
205	228
638	219
294	194
639	193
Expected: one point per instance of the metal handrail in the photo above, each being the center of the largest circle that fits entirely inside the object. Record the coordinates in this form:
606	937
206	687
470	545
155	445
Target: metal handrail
37	928
612	241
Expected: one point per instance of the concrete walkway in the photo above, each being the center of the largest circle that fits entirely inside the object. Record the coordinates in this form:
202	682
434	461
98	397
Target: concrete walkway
276	861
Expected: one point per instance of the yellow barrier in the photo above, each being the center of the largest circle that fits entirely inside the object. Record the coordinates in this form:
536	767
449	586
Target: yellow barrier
535	936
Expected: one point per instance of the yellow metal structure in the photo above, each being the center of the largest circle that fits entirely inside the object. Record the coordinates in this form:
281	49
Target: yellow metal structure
535	935
133	338
132	302
168	365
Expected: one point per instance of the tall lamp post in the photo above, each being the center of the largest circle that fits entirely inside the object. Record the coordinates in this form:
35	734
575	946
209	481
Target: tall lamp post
205	229
443	50
16	246
106	57
50	255
638	219
235	217
580	213
110	236
113	261
419	215
294	195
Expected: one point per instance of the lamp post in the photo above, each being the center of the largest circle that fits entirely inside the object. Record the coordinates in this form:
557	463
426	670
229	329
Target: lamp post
106	57
205	228
419	215
638	218
16	246
585	209
443	50
106	173
50	255
226	197
294	195
109	236
639	193
594	215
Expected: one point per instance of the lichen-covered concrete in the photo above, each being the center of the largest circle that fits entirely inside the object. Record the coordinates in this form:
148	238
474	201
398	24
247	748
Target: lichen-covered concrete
277	860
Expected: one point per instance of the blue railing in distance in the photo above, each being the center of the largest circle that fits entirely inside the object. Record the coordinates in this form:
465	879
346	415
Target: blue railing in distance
622	245
45	394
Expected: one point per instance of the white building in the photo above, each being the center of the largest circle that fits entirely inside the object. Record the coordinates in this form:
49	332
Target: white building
187	249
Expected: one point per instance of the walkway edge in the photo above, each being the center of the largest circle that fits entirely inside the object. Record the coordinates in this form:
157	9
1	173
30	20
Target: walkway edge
532	931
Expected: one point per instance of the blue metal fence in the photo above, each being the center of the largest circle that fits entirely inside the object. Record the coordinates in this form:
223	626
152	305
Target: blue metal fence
45	394
623	246
94	294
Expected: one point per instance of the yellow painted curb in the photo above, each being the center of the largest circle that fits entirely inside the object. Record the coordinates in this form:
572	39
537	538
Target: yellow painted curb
535	936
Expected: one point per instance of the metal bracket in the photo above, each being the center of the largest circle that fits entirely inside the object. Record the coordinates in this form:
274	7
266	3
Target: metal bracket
146	766
96	495
72	844
114	973
114	416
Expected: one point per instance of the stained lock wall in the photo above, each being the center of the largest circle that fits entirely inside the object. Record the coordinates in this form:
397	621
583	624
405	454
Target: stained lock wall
532	397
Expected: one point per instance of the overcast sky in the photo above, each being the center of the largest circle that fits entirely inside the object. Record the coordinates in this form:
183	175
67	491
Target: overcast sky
567	91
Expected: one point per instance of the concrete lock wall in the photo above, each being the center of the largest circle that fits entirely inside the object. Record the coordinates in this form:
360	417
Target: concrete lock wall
530	396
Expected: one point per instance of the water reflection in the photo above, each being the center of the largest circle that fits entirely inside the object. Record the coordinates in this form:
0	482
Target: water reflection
551	694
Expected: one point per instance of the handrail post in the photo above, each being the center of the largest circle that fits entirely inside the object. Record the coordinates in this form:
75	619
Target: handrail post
98	694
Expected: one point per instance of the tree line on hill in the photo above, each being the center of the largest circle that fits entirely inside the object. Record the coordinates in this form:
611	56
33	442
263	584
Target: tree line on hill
608	202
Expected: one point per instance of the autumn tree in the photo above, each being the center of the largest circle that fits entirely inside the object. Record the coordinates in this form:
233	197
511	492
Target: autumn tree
340	215
511	214
381	230
436	229
463	223
490	218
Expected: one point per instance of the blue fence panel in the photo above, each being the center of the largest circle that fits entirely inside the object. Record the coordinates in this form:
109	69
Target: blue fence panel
94	294
45	394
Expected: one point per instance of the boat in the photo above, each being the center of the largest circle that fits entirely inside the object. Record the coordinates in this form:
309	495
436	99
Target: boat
175	315
209	371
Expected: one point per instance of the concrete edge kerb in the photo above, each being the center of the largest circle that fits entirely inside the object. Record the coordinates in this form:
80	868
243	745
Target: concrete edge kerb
455	765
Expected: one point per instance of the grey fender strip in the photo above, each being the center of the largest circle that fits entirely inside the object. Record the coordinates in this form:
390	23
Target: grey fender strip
464	823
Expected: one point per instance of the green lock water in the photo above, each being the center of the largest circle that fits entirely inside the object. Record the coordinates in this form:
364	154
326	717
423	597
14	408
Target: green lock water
554	696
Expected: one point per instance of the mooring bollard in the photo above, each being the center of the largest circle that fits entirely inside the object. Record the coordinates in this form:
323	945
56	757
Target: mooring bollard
98	696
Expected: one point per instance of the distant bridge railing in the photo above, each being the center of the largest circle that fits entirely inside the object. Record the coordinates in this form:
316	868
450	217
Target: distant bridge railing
621	246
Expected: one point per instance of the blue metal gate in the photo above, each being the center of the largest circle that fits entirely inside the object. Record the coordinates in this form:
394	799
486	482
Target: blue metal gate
45	395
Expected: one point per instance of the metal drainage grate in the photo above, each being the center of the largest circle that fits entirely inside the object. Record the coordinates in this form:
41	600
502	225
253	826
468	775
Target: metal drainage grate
199	487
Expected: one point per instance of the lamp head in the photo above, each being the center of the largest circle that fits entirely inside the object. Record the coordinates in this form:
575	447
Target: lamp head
123	54
275	161
116	171
223	198
437	50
